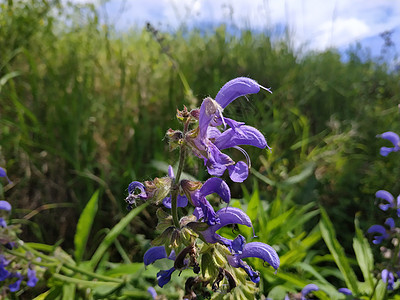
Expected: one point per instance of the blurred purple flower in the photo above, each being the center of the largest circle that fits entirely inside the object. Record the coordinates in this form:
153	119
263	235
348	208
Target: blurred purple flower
203	207
15	285
345	291
32	279
152	292
394	139
382	232
4	205
3	272
3	223
388	197
388	277
308	289
3	173
208	141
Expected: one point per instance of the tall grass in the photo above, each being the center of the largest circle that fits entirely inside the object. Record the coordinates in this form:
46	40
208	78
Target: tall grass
85	108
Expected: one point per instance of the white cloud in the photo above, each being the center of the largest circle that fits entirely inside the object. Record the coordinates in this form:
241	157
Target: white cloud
315	23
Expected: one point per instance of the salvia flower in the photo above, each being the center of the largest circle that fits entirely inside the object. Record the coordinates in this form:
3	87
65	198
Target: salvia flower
226	216
394	139
32	279
382	233
308	289
207	140
156	253
3	173
388	277
203	208
391	203
4	205
254	249
345	291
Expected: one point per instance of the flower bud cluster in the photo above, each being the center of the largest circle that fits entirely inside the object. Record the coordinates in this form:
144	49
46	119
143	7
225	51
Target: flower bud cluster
192	242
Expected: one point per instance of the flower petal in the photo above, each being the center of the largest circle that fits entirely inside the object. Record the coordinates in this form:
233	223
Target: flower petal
242	135
137	185
385	195
208	111
392	137
235	88
4	205
32	279
182	201
171	172
216	185
164	276
153	254
308	289
262	251
239	172
345	291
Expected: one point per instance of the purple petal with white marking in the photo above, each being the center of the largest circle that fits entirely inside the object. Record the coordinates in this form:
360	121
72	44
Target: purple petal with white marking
164	276
137	185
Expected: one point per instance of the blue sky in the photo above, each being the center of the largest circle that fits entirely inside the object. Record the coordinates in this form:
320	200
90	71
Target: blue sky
314	24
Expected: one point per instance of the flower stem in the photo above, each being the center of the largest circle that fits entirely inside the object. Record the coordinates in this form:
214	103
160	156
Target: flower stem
175	190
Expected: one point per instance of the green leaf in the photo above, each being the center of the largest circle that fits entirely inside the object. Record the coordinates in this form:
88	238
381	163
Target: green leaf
114	233
68	291
337	251
364	256
84	226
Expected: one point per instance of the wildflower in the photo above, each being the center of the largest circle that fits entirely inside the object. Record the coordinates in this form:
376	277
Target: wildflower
308	289
156	253
207	141
226	216
388	277
345	291
4	205
388	197
32	279
203	207
394	139
254	249
382	232
152	292
3	173
3	272
15	285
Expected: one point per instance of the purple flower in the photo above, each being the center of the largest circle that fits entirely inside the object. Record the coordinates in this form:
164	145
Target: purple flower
207	141
152	292
388	197
308	289
3	173
226	216
382	232
254	249
394	139
388	277
32	279
156	253
4	205
181	201
203	207
345	291
3	223
3	272
15	285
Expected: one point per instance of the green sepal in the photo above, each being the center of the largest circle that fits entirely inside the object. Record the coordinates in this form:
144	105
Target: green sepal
164	237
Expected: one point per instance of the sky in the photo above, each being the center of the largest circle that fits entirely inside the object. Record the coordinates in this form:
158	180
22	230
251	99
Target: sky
313	24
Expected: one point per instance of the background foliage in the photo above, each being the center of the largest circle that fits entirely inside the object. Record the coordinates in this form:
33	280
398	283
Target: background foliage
86	108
